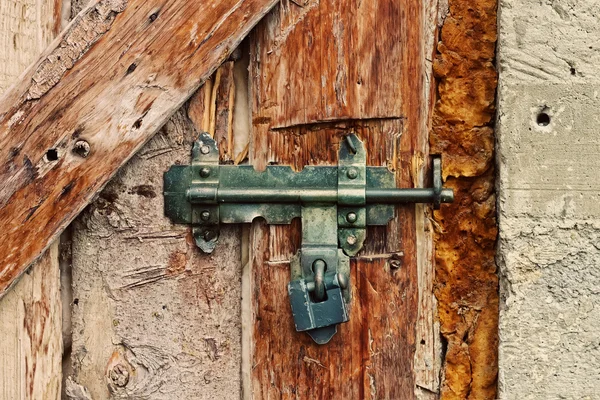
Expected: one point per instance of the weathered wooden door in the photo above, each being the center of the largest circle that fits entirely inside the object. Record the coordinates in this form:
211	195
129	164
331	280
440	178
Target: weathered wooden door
153	317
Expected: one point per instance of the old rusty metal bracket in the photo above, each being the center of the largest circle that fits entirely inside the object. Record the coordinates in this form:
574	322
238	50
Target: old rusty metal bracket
335	204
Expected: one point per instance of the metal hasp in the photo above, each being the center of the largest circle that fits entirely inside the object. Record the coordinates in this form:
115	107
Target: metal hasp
335	203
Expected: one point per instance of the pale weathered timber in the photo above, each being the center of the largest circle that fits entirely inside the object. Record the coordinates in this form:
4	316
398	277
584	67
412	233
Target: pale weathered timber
31	345
155	318
114	76
26	28
466	282
428	354
318	72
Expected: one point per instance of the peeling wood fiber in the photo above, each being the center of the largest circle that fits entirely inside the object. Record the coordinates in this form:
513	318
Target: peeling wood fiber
466	277
113	78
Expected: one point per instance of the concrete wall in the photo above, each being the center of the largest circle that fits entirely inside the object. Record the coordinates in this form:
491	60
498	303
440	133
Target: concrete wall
549	199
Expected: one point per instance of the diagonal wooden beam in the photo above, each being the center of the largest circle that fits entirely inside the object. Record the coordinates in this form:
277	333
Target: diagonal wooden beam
95	96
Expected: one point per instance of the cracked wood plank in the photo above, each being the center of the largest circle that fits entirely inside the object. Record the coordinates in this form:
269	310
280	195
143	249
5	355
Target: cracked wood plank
31	345
318	72
112	79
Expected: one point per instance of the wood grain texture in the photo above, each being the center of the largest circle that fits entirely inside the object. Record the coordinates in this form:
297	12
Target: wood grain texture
31	345
319	71
466	277
350	45
26	28
154	318
112	78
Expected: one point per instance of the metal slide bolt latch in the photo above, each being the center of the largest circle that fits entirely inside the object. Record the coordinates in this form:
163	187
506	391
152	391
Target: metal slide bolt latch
335	203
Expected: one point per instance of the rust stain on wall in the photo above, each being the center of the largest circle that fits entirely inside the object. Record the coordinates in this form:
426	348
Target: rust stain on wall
462	131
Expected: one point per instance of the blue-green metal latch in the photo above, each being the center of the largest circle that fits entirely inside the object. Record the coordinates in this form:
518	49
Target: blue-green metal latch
335	204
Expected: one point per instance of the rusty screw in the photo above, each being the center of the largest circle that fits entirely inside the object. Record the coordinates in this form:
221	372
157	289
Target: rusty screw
82	148
205	215
119	375
395	264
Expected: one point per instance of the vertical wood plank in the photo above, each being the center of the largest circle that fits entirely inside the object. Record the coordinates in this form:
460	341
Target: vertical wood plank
318	72
31	345
153	317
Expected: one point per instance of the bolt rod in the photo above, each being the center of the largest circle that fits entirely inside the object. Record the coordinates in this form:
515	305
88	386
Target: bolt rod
310	195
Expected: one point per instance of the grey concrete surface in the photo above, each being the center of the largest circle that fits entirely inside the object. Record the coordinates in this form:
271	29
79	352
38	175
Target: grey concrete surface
548	157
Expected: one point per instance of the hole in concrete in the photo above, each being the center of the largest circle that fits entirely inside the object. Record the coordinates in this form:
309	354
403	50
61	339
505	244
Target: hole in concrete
52	155
573	71
543	119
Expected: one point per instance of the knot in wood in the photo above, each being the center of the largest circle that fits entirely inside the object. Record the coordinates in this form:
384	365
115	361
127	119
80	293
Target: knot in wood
119	375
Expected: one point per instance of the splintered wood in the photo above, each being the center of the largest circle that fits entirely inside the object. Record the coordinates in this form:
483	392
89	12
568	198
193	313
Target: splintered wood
466	278
112	79
318	72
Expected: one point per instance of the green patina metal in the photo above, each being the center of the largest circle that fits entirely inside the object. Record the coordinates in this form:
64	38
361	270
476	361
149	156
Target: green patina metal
335	203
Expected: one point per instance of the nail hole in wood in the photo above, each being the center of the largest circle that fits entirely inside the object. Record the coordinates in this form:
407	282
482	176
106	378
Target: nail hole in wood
138	124
52	155
131	68
153	16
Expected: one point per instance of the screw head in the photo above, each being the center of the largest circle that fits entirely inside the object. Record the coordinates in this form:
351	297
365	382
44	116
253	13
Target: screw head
210	235
205	215
205	172
205	149
395	264
351	240
352	173
351	217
